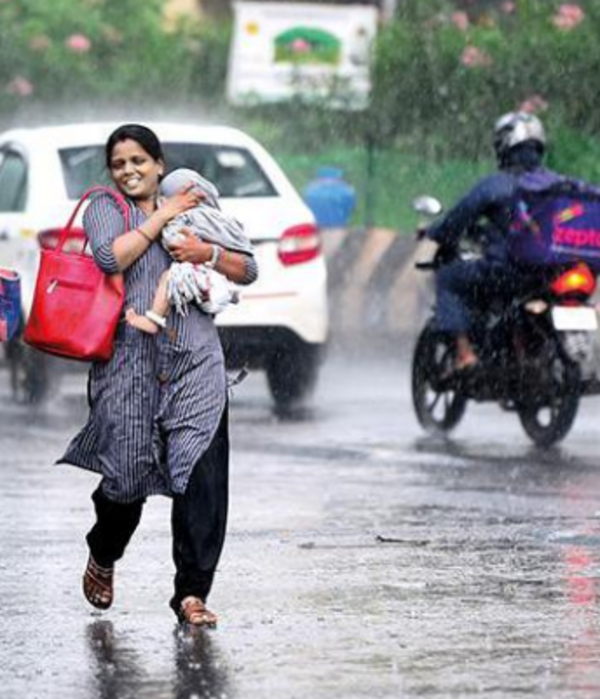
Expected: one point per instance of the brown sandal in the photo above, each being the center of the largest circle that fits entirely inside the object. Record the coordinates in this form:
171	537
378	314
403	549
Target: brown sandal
193	611
98	584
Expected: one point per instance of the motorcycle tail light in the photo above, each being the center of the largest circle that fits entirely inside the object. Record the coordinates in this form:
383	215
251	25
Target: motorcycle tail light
299	244
48	239
577	281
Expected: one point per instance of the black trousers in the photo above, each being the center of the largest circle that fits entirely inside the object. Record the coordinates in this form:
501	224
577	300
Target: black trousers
198	522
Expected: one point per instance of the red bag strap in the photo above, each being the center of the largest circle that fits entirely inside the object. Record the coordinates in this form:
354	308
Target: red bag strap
117	196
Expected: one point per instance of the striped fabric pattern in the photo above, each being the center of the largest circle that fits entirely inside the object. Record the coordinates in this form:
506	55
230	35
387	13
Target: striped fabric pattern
156	404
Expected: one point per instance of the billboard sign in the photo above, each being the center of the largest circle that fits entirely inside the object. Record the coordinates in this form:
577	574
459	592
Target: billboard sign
282	50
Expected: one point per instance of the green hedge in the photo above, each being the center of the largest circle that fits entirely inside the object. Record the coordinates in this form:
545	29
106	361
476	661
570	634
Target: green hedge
398	177
426	87
66	57
69	53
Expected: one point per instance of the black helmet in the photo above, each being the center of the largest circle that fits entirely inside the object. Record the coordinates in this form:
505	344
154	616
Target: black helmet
515	128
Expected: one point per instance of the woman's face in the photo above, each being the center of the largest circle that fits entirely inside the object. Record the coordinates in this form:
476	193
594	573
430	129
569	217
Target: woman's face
134	170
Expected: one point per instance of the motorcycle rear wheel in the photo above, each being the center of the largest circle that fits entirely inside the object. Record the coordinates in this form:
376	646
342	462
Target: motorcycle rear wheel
547	419
438	406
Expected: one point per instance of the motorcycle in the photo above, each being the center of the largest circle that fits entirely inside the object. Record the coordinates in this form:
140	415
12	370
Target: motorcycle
536	353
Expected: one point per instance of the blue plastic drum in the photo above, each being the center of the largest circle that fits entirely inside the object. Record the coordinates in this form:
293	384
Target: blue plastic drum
331	199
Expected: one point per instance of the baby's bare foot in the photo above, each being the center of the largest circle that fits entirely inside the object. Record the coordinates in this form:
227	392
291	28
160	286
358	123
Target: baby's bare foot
140	322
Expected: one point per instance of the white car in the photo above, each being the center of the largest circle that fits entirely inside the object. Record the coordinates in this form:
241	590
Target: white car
281	323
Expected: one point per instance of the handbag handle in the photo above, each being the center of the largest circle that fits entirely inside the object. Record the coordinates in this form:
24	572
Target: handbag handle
119	198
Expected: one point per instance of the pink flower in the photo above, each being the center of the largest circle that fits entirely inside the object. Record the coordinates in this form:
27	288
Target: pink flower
533	105
508	7
473	57
568	16
300	46
78	43
20	86
460	20
40	43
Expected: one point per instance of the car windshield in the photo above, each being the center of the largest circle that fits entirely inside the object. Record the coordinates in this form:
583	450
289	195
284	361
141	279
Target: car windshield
233	170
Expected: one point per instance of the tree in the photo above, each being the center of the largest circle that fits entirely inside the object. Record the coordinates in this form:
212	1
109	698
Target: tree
55	54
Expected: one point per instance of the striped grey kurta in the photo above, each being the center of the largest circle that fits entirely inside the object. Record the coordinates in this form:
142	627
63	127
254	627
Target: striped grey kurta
156	404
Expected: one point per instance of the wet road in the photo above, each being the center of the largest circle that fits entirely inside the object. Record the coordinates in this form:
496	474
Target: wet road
363	559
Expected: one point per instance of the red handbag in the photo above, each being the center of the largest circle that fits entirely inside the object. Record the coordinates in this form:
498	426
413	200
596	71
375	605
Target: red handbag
76	306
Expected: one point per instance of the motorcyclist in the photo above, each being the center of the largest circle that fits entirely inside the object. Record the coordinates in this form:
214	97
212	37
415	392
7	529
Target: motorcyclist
464	287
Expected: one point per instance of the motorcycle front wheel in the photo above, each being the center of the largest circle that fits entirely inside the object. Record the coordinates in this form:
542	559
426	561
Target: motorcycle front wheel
438	406
548	415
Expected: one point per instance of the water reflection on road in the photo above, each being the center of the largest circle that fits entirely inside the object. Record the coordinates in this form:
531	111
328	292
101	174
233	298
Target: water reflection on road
119	671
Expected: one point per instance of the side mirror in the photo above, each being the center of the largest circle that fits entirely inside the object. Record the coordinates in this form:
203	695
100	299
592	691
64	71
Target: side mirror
427	206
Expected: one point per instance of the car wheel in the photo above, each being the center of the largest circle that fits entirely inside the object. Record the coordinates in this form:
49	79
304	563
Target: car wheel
292	375
30	373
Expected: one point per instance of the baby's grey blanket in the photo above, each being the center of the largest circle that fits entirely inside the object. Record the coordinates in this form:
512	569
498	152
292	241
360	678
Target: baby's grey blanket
206	221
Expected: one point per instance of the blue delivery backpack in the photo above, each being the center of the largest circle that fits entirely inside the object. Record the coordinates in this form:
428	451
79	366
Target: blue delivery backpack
557	222
10	304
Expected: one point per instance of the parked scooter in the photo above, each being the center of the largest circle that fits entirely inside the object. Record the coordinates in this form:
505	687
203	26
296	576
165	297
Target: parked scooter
536	353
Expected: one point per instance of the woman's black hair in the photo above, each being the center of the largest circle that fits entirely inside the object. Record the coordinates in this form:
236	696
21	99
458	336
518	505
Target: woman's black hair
138	133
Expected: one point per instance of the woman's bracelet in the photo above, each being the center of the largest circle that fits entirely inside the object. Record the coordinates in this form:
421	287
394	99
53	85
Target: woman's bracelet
144	234
157	319
215	257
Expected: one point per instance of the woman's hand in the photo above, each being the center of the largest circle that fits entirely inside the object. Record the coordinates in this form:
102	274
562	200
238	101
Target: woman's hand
191	249
189	197
128	248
